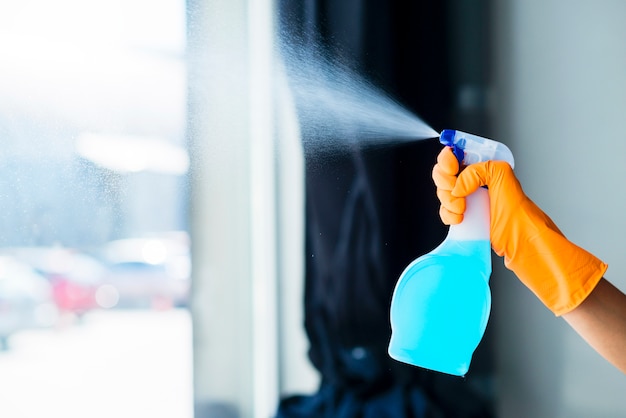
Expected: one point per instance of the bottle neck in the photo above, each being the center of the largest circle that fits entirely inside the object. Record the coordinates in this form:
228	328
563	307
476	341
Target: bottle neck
476	219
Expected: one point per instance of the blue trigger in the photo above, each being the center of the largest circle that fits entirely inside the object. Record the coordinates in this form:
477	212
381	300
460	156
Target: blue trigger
458	153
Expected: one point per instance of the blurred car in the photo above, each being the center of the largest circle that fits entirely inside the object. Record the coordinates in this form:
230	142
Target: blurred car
74	276
152	273
25	299
75	287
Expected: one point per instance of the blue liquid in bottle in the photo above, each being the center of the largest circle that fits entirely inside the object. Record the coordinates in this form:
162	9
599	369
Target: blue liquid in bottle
441	303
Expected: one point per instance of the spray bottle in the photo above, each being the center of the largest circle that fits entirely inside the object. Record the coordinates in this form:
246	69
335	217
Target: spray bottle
441	302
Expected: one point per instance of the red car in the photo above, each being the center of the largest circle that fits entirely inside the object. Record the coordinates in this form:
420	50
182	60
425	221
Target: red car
73	276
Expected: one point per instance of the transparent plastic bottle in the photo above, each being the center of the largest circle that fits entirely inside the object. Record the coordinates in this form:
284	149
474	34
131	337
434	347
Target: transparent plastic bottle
442	301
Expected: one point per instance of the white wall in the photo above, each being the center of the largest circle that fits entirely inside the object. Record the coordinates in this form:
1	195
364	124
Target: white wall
561	106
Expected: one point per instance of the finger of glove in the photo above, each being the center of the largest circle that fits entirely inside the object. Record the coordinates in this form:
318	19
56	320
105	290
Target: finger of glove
451	203
449	218
447	162
471	178
443	180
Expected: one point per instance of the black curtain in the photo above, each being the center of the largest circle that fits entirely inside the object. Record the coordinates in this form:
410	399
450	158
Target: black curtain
370	210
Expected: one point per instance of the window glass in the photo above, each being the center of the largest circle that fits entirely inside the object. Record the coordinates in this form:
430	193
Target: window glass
94	245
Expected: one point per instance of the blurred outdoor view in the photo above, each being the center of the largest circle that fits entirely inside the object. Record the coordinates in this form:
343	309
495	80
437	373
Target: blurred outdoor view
94	245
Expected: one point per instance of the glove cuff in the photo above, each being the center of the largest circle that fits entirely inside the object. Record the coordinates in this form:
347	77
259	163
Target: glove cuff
559	272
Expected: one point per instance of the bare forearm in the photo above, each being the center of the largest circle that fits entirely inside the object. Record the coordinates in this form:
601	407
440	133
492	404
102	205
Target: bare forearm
601	321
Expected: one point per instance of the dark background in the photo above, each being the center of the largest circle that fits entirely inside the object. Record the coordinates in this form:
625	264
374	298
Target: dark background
371	210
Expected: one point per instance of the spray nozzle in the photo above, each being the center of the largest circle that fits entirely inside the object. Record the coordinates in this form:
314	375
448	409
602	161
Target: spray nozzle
447	138
470	149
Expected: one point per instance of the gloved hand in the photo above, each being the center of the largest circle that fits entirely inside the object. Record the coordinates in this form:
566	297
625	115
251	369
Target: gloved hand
560	273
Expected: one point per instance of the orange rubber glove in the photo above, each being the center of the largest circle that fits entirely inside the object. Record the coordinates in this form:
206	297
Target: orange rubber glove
560	273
